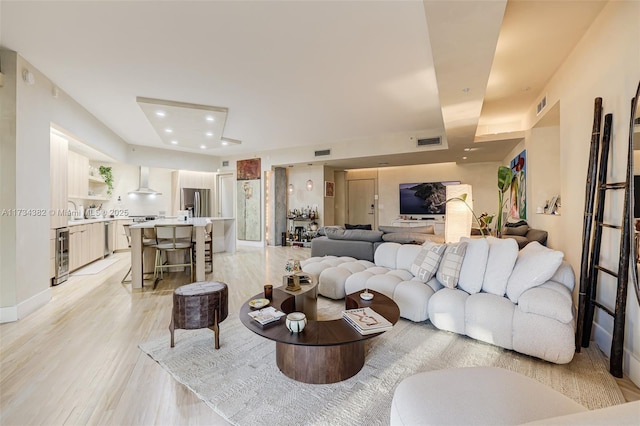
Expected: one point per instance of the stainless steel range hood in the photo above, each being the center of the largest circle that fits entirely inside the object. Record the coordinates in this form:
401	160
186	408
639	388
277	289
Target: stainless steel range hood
143	187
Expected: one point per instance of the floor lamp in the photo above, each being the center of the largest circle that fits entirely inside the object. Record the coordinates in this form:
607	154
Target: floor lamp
458	216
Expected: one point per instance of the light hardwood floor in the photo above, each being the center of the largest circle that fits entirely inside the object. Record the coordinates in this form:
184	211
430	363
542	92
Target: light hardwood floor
76	360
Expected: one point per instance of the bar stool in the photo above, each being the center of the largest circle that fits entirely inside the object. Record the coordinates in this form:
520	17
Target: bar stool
208	245
146	243
172	238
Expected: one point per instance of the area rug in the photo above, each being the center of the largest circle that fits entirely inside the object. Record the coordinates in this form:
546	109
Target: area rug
95	267
242	383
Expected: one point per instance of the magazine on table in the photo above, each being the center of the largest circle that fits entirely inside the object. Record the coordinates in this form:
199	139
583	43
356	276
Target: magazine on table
266	315
366	320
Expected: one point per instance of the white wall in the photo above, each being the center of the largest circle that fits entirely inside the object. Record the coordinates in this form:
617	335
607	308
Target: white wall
481	176
301	197
605	63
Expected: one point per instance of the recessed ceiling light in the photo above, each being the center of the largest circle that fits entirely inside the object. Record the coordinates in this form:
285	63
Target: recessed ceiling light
210	118
209	133
174	142
168	130
225	143
464	158
203	147
467	149
161	113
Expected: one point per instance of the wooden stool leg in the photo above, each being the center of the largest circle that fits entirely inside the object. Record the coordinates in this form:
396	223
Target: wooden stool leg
171	328
216	329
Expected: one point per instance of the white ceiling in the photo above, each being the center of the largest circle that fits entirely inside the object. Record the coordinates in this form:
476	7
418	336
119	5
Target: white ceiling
306	73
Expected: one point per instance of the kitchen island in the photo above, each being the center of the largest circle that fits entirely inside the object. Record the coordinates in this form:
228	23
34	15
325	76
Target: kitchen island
223	226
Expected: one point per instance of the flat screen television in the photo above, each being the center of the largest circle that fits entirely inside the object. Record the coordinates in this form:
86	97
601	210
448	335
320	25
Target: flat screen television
426	198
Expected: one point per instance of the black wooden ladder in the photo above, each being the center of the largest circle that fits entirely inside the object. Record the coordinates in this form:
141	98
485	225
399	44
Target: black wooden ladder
591	272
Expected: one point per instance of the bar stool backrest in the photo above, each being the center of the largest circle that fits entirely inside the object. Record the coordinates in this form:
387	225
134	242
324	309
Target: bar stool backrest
174	236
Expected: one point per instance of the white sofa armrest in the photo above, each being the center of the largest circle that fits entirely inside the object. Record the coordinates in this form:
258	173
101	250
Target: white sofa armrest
551	300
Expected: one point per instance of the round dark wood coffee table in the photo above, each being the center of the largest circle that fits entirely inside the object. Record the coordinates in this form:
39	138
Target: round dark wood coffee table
325	351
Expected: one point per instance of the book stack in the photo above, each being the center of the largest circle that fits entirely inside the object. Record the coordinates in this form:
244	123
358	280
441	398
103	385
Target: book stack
266	315
366	320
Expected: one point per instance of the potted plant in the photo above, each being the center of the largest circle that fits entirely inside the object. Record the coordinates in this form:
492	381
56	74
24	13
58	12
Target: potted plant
105	172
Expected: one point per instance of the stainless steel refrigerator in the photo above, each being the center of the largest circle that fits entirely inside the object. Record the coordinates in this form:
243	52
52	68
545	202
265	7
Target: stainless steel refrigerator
197	201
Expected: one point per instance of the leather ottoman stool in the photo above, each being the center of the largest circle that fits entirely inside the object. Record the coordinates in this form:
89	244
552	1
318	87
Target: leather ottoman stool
199	305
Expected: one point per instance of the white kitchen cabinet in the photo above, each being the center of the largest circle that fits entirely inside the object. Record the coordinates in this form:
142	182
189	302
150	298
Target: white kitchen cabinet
52	253
95	242
78	176
58	166
76	246
86	244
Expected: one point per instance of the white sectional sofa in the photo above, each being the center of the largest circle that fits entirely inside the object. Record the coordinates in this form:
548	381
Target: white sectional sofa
519	300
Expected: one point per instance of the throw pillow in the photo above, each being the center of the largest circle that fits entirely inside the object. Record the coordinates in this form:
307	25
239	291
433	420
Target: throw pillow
365	227
534	266
520	231
451	263
511	223
502	257
425	266
474	265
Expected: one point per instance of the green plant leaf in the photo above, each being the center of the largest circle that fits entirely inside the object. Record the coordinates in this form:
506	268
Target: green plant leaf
504	178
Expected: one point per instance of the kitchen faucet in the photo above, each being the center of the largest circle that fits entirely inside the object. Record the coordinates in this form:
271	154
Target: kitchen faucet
75	209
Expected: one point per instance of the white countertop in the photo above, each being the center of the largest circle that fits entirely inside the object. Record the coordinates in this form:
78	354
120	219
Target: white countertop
195	221
87	221
166	220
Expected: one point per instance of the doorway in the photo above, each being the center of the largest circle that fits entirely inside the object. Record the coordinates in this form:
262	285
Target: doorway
226	186
361	202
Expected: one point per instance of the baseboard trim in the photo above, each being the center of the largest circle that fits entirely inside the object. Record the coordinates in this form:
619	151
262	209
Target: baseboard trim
630	363
8	314
25	308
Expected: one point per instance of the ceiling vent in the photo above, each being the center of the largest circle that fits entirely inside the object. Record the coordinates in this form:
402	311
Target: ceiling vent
322	152
541	105
428	141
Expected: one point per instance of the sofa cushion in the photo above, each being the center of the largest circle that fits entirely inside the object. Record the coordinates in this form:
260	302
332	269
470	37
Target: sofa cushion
447	310
427	261
353	234
451	263
407	237
547	302
489	318
516	230
427	229
474	265
535	265
502	257
405	256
